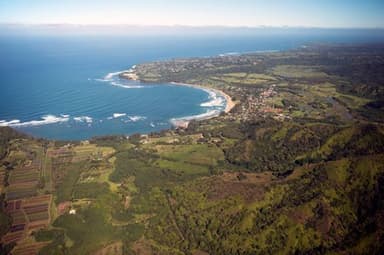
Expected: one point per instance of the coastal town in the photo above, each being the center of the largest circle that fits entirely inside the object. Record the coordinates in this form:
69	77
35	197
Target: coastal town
247	98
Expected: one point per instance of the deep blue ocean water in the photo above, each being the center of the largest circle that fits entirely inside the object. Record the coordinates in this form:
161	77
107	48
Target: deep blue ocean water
55	86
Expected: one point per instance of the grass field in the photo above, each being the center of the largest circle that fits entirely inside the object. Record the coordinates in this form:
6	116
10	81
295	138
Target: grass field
296	71
248	79
198	154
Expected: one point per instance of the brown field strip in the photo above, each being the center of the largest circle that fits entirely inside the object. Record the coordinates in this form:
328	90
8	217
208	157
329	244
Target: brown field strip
28	214
28	248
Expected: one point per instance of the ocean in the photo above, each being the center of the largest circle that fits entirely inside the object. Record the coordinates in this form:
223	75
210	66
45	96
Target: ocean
66	86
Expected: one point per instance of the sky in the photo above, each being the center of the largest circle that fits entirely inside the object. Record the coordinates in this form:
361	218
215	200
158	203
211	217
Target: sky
250	13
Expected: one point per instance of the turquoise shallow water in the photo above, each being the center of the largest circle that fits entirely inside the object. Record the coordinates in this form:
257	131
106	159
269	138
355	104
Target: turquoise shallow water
62	87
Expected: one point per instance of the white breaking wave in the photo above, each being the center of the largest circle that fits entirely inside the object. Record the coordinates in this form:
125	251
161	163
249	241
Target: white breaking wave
229	54
114	80
101	80
110	76
113	83
127	118
216	100
118	115
203	116
136	118
4	123
47	119
86	119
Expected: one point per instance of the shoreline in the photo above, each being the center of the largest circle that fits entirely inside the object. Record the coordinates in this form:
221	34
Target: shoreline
229	102
131	74
184	122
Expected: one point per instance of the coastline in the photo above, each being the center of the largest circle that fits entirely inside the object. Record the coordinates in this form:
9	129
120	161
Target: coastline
229	102
184	122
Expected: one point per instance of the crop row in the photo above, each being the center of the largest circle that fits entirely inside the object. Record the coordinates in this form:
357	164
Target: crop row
13	237
27	215
21	193
18	217
37	200
13	205
28	248
17	177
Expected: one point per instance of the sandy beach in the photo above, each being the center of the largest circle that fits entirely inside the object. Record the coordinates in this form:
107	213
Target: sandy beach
229	102
228	107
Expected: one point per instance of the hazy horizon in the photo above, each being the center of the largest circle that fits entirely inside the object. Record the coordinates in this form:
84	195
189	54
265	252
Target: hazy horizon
242	13
187	26
373	34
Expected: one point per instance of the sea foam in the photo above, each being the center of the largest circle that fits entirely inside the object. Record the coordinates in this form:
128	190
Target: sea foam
45	120
110	76
127	118
4	123
114	80
216	100
118	115
229	54
203	116
136	118
85	119
113	83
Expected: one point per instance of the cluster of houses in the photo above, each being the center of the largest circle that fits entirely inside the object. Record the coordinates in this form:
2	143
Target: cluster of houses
255	105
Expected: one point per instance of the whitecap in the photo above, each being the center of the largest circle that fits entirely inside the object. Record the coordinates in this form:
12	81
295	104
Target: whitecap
85	119
113	83
216	100
110	76
203	116
101	80
4	123
114	79
118	115
47	119
229	54
136	118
